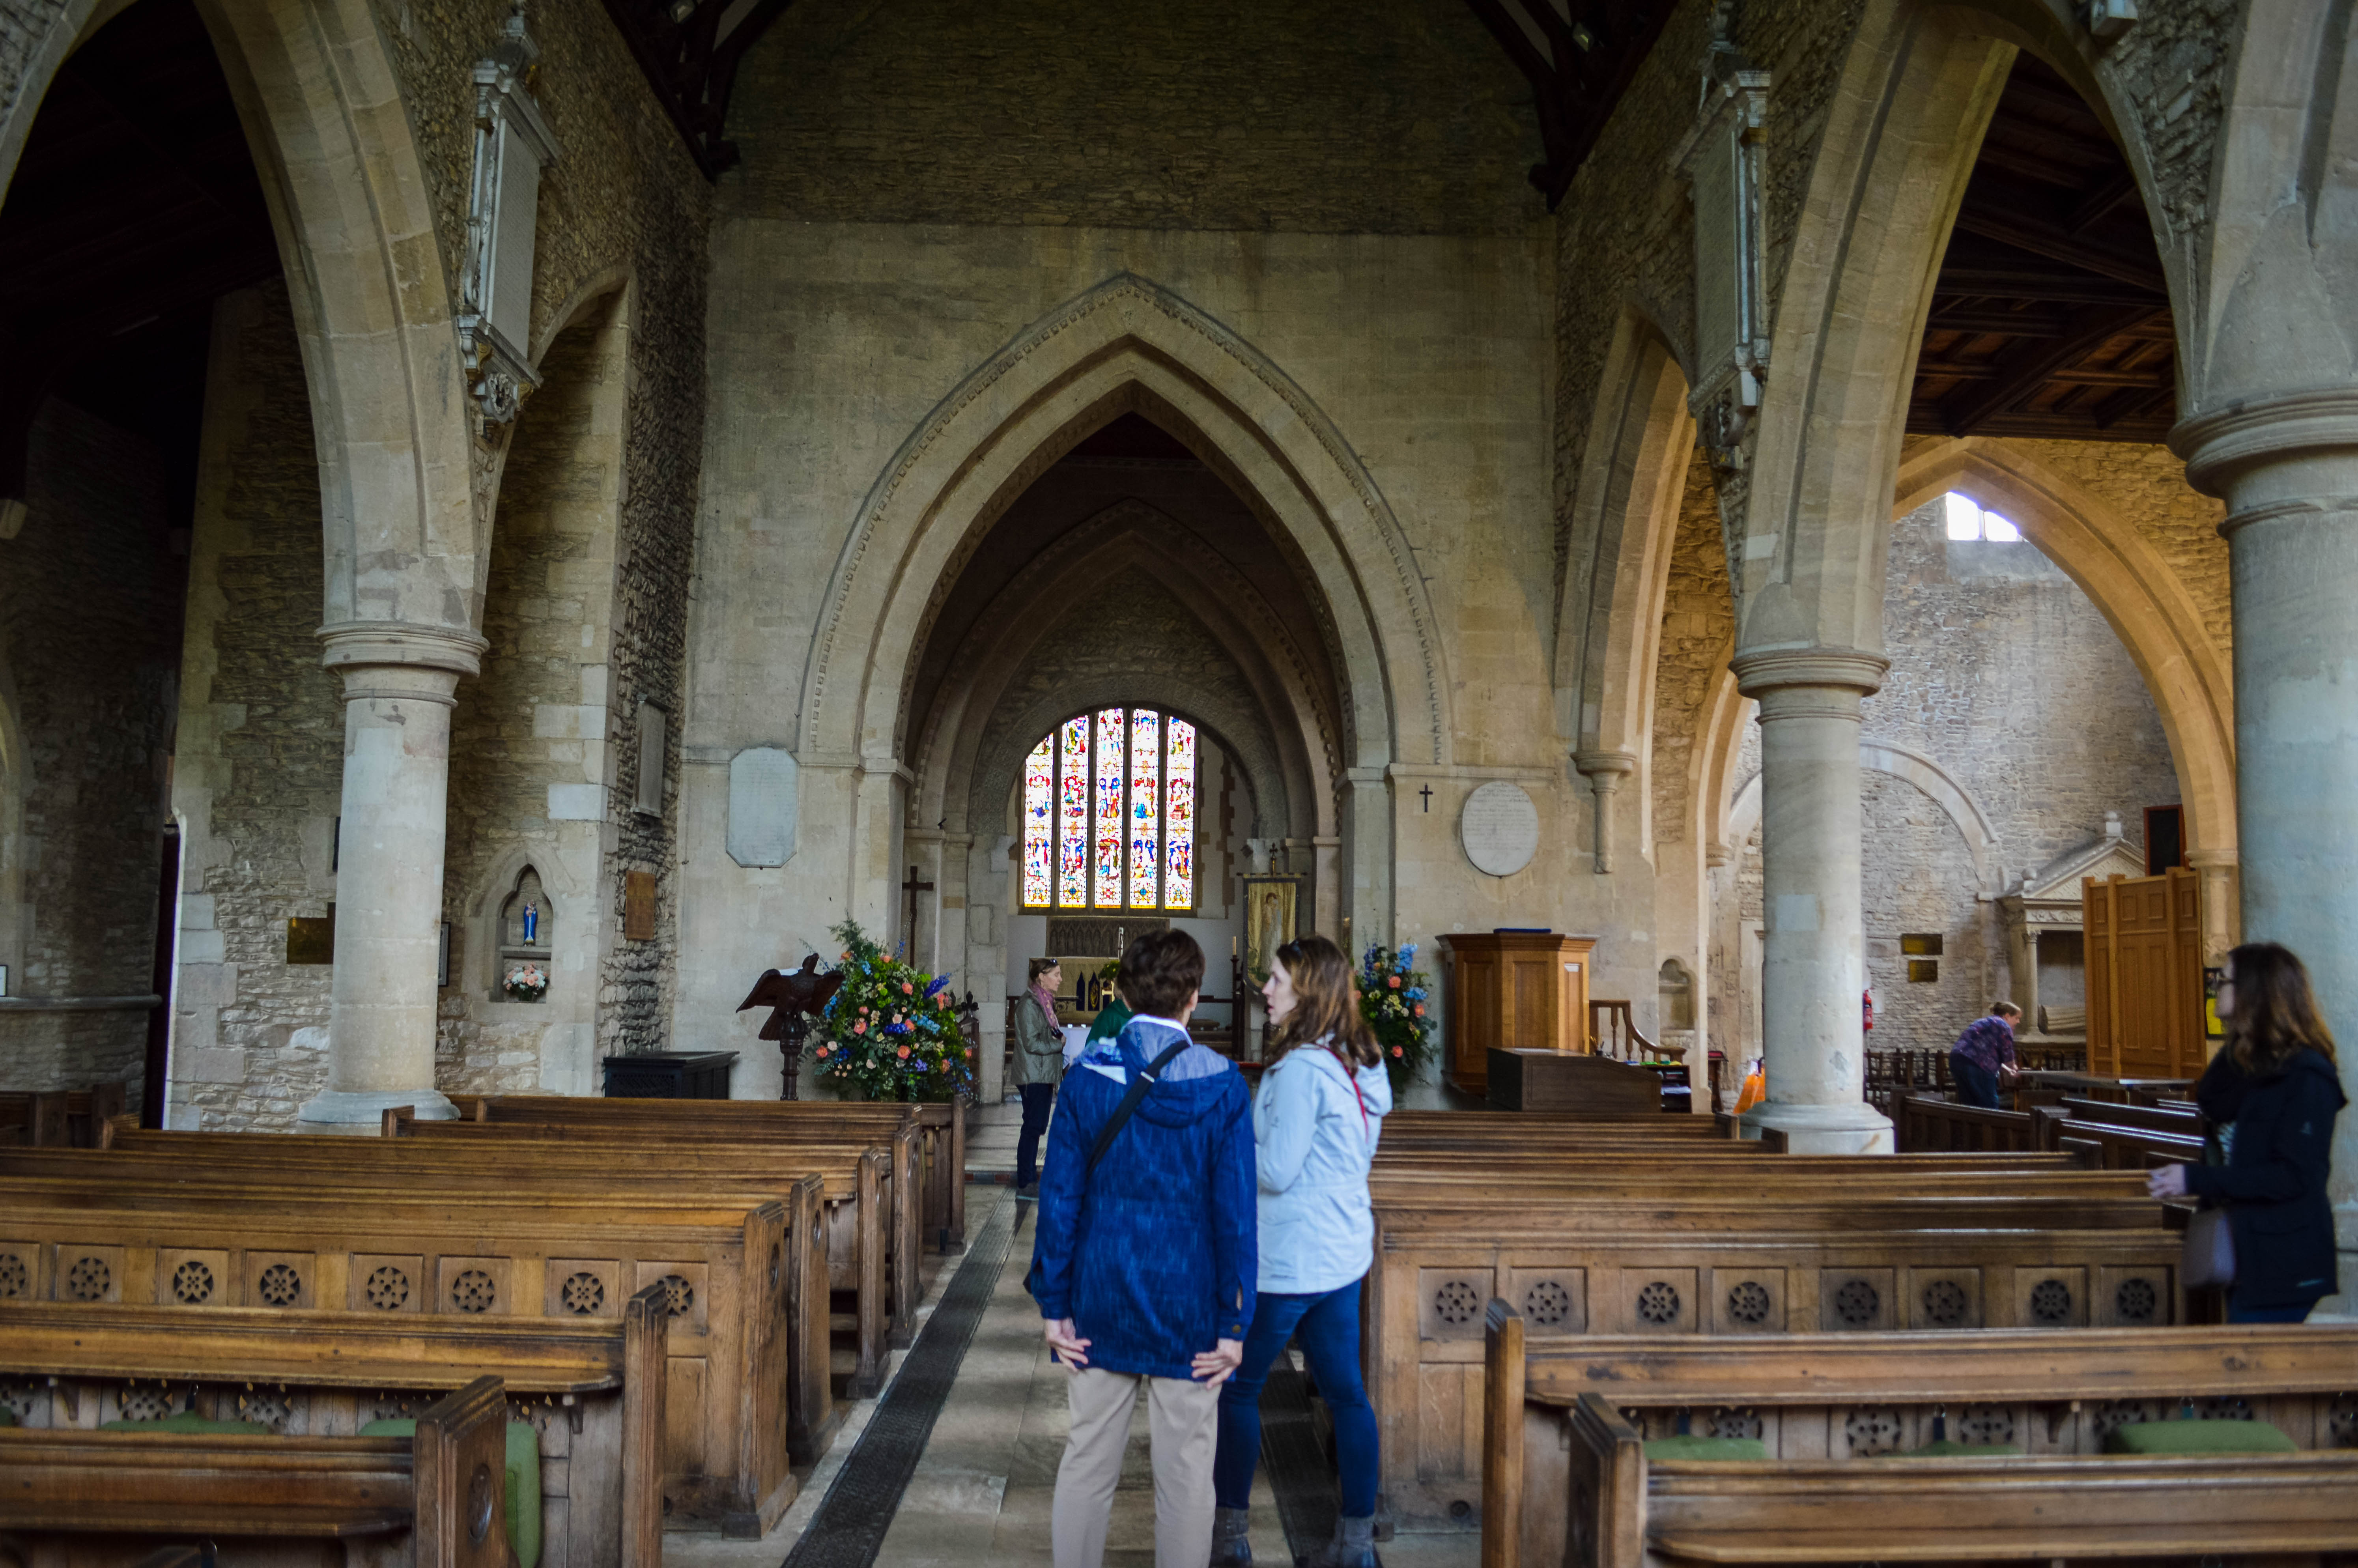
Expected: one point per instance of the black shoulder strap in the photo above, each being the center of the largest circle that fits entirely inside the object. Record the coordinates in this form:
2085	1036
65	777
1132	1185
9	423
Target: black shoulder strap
1137	1088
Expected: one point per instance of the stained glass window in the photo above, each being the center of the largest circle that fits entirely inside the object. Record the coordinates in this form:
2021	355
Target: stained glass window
1039	836
1109	814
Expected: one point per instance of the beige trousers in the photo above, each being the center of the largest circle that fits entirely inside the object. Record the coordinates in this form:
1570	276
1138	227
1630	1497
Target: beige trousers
1182	1422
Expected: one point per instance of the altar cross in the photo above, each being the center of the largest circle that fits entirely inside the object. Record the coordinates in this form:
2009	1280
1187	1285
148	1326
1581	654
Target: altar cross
912	887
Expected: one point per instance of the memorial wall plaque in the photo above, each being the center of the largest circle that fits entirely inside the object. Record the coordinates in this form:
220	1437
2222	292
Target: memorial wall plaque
762	798
1500	827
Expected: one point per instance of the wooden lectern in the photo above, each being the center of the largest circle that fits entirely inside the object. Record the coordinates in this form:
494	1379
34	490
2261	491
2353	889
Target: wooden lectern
1511	990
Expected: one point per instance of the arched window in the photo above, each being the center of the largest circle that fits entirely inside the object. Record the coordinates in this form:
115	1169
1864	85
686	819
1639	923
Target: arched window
1969	519
1109	814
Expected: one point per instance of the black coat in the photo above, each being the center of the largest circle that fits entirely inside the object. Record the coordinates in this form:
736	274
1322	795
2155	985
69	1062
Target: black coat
2274	1180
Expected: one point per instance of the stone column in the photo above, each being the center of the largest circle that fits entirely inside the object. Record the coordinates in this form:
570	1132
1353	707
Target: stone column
1814	967
2288	469
399	685
1370	852
1605	771
2221	911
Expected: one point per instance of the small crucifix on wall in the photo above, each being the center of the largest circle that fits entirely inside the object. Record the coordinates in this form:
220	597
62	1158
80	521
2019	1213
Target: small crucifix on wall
912	887
1427	792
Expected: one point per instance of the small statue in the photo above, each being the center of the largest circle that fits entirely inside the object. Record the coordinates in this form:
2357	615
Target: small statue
794	1000
530	916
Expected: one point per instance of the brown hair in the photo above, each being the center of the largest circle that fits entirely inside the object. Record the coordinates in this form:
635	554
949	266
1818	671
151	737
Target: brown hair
1325	1004
1160	972
1041	967
2005	1010
2275	1012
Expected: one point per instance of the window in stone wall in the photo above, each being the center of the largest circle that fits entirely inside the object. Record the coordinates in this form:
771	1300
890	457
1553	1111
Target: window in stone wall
1109	814
1968	519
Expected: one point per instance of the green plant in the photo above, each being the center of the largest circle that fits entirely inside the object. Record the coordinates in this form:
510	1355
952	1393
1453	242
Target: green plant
890	1031
1392	999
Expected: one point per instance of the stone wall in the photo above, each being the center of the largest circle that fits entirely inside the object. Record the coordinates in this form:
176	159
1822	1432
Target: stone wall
89	609
258	764
1698	636
1321	116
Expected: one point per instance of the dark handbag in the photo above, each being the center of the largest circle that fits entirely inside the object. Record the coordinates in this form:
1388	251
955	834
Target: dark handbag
2207	1262
1113	1125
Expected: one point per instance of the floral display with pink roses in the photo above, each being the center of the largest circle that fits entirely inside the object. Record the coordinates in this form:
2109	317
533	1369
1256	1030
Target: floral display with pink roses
892	1030
1393	999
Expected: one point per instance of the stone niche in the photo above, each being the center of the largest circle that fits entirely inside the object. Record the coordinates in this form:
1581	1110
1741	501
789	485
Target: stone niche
2046	940
526	935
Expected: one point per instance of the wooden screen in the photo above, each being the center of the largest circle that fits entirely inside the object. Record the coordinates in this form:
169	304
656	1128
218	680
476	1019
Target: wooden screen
2144	974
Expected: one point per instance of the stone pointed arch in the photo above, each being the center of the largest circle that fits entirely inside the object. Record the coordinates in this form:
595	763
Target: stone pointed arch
1292	770
2137	592
981	445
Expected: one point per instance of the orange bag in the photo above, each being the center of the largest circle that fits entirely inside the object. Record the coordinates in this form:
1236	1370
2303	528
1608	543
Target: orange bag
1754	1089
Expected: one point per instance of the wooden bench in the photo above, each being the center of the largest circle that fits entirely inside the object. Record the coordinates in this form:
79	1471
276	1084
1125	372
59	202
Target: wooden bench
1565	1477
592	1390
1924	1124
941	1126
741	1361
868	1213
1769	1262
436	1500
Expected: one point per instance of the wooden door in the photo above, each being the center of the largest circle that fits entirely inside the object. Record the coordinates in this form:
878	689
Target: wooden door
2144	974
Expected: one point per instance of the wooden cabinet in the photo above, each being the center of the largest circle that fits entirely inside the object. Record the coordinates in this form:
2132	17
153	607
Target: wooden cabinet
1511	990
2145	976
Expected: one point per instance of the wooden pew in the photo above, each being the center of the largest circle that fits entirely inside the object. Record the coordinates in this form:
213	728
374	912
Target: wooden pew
888	1305
867	1217
942	1130
1812	1258
436	1500
1923	1123
740	1357
1564	1463
592	1388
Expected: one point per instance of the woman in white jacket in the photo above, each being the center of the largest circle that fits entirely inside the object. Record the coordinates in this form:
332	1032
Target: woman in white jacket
1315	1121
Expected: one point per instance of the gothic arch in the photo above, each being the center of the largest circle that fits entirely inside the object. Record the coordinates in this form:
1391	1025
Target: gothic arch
1930	778
979	447
2126	578
962	763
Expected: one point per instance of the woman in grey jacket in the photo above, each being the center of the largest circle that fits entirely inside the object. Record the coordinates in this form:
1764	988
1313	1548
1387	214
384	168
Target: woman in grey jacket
1316	1120
1039	1066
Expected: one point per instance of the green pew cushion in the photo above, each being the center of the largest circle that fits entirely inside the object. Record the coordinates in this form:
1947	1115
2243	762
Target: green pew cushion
2198	1437
1950	1448
1705	1448
7	1416
524	1482
188	1420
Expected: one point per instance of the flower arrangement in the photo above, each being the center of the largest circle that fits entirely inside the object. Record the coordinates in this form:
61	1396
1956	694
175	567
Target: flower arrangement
525	982
1392	999
890	1032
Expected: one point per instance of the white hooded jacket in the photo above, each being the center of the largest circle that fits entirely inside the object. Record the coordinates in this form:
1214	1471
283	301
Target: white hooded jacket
1316	1128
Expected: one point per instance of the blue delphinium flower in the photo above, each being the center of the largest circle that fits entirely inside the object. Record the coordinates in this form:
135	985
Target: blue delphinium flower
939	981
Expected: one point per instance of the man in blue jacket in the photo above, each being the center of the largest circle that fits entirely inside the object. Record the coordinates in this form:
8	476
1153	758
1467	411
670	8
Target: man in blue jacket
1144	1259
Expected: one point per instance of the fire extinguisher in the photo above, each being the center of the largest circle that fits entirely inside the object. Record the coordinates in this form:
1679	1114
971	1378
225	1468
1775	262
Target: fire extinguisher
1866	1001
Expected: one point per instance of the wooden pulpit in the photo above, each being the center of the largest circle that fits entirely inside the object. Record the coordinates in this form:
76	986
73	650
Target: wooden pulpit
1511	990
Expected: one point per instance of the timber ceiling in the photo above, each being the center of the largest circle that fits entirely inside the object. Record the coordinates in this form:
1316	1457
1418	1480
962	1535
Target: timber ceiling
2051	317
134	205
1578	55
689	50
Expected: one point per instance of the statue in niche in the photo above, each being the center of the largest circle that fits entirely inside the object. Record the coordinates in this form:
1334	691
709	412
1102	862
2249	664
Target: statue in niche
525	932
531	916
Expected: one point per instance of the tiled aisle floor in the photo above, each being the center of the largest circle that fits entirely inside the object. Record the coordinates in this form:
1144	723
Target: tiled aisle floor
981	1493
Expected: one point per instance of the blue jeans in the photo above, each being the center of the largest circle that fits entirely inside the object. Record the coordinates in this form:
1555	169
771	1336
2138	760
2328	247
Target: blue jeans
1037	1099
2270	1314
1328	1329
1976	1084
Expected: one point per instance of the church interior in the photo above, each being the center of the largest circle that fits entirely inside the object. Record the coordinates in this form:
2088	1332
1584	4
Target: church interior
1718	538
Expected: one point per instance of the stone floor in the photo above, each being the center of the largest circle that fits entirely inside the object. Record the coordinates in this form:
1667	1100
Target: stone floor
981	1493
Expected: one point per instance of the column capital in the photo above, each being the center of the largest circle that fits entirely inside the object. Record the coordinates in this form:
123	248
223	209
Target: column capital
2278	427
1773	669
2205	860
1605	770
400	645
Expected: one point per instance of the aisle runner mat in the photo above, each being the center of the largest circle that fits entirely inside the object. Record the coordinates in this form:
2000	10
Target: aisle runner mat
1298	1470
850	1522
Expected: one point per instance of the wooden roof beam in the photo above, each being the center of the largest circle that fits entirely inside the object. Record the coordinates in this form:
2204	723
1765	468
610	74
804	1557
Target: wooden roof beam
2011	225
2031	364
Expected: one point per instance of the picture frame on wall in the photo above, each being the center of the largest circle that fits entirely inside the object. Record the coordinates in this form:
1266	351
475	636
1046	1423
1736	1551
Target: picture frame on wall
1273	918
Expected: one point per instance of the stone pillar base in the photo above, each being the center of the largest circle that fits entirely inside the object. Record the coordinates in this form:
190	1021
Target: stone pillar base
1858	1128
360	1113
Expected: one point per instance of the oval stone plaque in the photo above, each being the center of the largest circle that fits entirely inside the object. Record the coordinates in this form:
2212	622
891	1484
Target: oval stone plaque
1500	827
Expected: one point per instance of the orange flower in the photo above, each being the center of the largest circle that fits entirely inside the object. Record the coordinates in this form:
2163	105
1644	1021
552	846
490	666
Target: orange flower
859	1028
1396	1051
904	1053
1395	982
1419	1010
908	987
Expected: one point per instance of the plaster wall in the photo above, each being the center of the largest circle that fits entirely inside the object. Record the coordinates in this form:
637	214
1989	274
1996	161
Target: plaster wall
831	343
